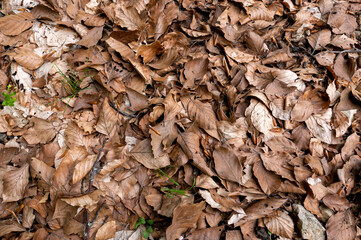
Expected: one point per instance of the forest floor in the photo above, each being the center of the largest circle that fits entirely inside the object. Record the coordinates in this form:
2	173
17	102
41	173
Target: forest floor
180	119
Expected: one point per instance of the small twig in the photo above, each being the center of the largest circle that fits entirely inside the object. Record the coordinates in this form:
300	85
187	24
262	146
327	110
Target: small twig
356	50
93	172
120	111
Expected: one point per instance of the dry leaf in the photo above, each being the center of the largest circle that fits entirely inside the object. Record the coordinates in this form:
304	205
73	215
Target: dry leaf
281	225
86	200
15	182
43	131
142	152
45	171
268	181
227	164
184	217
13	25
28	58
341	226
83	168
106	231
319	39
108	119
238	55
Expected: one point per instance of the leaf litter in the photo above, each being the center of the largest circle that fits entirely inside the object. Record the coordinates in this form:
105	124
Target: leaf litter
209	119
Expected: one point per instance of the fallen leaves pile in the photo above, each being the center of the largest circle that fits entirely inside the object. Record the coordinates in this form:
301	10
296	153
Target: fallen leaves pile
235	119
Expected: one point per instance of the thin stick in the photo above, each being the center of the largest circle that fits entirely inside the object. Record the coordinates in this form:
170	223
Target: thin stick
120	111
93	172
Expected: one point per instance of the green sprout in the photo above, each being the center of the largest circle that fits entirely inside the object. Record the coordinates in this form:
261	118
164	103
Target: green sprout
9	97
147	224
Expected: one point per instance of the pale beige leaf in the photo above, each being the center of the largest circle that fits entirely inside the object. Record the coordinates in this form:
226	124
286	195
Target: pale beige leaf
325	58
107	121
142	152
260	117
341	226
86	200
75	137
106	231
268	181
13	25
336	202
184	217
42	132
83	168
351	142
28	58
319	39
319	126
343	42
258	11
280	225
227	164
15	182
44	170
238	55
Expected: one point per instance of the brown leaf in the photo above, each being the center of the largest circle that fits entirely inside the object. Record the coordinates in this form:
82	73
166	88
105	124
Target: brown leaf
45	171
319	39
268	181
92	37
281	225
7	227
336	202
164	14
319	126
260	117
194	70
184	217
255	42
278	163
142	152
108	119
238	55
106	231
28	58
75	137
42	132
341	226
13	25
213	233
227	164
340	21
325	58
15	182
86	200
149	52
351	142
83	168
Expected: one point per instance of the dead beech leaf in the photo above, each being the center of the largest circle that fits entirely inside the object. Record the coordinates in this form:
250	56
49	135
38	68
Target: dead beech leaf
42	132
238	55
92	37
336	202
278	163
14	183
227	164
86	200
268	181
325	58
107	121
75	137
281	225
44	170
213	233
164	14
13	25
341	226
28	58
340	20
83	168
184	217
351	142
319	39
319	126
260	118
106	231
149	52
142	152
7	227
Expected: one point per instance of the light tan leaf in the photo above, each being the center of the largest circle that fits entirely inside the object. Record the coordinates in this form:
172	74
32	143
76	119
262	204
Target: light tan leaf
268	181
89	19
277	163
227	164
336	202
184	217
44	170
165	14
142	152
15	182
107	121
319	126
238	55
281	225
258	11
13	25
351	142
42	132
325	58
28	58
86	200
106	231
260	118
343	42
83	168
127	17
341	226
255	42
319	39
